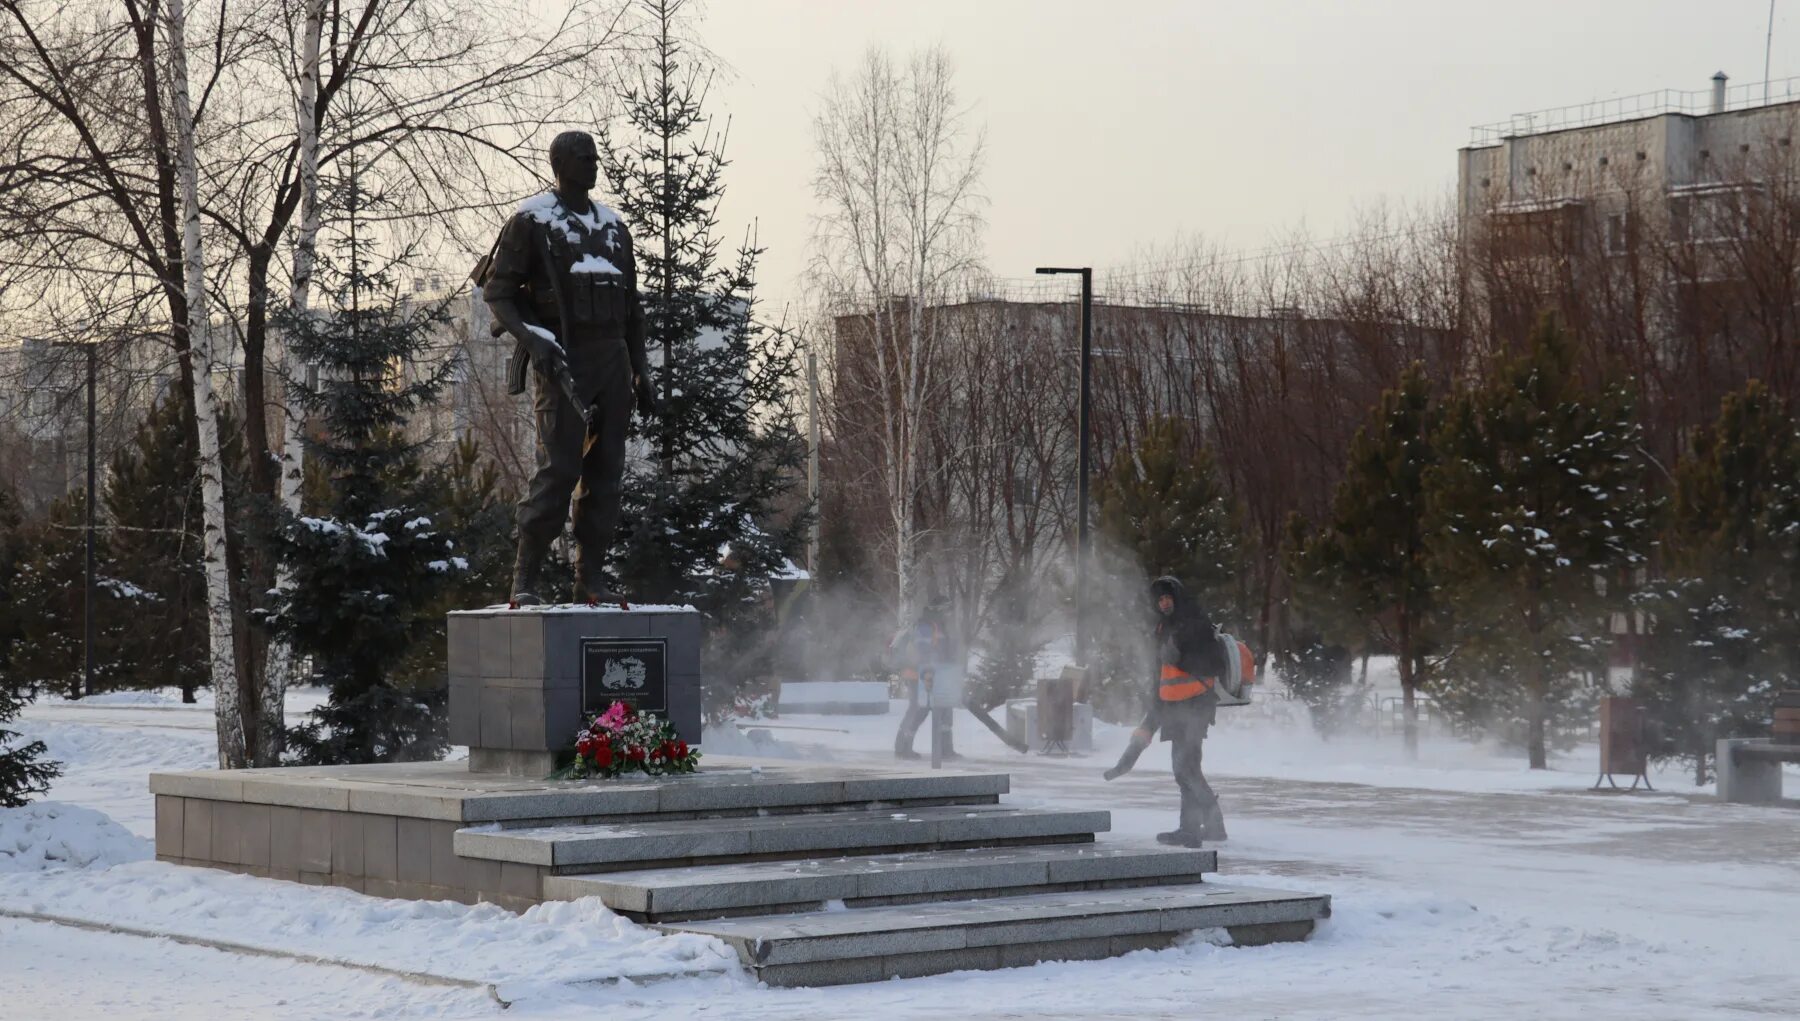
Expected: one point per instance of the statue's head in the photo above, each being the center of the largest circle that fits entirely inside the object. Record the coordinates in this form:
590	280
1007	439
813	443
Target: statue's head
574	161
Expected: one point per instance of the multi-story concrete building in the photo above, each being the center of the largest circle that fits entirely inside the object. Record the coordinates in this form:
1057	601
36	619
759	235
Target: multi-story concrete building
1595	161
1659	228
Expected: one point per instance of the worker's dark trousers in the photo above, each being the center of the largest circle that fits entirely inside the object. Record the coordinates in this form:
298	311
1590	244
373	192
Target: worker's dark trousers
1185	725
577	459
917	712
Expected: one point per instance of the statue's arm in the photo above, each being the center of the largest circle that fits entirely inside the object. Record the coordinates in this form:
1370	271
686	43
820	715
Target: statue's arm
505	290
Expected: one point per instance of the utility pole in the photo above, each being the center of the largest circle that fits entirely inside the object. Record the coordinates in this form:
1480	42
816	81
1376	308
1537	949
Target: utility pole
1083	415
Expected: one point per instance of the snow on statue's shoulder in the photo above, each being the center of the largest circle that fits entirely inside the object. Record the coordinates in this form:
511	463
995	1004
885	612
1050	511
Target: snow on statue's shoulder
546	208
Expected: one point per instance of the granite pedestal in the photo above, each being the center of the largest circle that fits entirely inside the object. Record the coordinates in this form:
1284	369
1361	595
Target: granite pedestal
523	681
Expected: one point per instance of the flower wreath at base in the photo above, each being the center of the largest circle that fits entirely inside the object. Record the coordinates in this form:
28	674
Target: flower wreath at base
621	740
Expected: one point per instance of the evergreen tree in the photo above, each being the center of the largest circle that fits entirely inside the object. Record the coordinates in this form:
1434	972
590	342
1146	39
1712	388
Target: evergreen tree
23	769
701	521
369	566
50	592
1324	623
13	550
152	496
1163	510
476	513
1724	627
1370	559
1166	506
1536	503
1009	654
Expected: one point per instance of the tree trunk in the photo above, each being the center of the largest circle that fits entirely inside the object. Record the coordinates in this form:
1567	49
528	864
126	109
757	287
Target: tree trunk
1535	712
222	655
1408	684
273	690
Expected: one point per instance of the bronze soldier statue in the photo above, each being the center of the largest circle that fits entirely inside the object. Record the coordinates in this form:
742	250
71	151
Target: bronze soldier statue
562	281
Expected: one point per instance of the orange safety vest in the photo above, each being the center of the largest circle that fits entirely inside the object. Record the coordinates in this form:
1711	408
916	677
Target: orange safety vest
1178	685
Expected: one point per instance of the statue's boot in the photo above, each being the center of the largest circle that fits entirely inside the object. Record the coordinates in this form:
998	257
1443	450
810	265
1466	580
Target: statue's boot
528	567
590	581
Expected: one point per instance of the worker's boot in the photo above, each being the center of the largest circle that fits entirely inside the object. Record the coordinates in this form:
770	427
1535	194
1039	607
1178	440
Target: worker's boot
1214	829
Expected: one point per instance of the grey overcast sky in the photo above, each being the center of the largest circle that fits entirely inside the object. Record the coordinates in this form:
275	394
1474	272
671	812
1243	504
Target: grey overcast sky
1116	124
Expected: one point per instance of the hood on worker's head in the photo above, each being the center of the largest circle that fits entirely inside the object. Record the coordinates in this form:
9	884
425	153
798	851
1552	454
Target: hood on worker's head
935	611
1167	585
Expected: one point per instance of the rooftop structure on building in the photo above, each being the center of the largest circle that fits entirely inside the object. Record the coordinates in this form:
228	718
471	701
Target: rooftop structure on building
1670	140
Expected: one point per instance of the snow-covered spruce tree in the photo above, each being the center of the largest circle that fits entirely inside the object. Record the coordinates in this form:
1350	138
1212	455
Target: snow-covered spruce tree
23	769
13	548
1163	510
1536	510
476	512
1723	622
1368	562
1324	626
1009	658
367	566
701	521
152	498
1166	504
50	592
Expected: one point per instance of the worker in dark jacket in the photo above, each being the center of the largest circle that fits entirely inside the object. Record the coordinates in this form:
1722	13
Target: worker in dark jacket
919	653
1185	699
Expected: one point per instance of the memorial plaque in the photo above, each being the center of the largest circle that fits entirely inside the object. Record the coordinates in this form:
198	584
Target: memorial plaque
629	670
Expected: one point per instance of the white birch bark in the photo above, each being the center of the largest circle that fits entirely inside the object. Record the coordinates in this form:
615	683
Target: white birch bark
220	645
899	179
281	661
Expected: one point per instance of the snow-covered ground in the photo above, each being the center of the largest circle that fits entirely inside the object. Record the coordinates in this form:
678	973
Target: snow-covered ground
1464	886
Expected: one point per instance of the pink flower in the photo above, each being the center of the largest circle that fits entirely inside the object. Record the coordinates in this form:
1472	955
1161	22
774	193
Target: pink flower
614	717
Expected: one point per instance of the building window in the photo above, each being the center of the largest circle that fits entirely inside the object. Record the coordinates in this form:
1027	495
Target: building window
1707	216
1617	236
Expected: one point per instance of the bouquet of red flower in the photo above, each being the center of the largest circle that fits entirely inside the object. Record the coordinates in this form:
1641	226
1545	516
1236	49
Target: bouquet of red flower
620	740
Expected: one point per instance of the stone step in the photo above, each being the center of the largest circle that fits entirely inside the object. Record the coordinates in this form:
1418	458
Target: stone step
715	891
449	792
874	944
616	846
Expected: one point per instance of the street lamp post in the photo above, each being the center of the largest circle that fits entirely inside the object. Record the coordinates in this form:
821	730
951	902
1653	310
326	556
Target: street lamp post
1081	469
87	671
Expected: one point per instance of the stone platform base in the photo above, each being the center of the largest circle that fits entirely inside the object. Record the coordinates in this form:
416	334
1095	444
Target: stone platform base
1750	769
815	874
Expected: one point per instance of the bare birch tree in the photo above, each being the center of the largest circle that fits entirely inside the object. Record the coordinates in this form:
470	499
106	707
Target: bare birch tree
220	643
272	693
898	174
